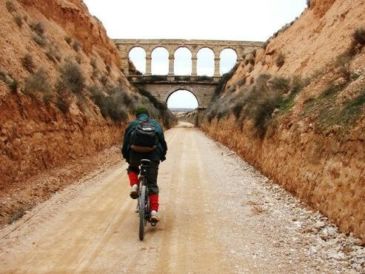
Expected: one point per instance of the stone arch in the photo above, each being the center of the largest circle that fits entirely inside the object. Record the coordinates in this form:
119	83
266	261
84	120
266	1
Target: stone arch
187	88
139	57
159	60
182	61
226	62
205	63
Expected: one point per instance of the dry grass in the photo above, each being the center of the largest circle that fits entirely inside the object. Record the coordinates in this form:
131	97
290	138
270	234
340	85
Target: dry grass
10	6
18	20
40	40
71	78
38	28
27	62
280	60
37	82
359	36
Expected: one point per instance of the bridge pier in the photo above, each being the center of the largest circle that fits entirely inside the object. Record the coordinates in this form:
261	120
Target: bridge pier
194	70
217	66
171	64
148	64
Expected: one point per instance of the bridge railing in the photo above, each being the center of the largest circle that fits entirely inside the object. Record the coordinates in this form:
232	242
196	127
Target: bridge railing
173	78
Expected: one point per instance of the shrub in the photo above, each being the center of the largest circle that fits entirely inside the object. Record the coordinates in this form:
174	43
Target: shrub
104	80
222	113
10	6
47	98
38	28
13	85
78	59
68	40
331	90
27	62
359	36
108	69
40	40
116	112
261	82
110	106
62	104
18	20
280	84
53	54
353	108
72	78
93	63
262	113
37	82
9	81
3	76
280	60
76	46
236	110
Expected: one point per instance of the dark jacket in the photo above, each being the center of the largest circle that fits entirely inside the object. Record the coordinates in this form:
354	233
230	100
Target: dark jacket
161	149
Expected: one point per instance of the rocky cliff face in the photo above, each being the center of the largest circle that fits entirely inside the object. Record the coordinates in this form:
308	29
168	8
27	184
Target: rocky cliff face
296	110
62	94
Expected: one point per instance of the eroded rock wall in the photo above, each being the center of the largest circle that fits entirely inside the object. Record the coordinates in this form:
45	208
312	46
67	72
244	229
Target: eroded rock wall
314	138
40	126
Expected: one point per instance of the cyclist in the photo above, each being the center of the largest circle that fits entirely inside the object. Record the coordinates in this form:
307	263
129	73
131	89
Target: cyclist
133	153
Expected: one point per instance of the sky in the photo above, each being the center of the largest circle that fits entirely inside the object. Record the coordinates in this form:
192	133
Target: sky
242	20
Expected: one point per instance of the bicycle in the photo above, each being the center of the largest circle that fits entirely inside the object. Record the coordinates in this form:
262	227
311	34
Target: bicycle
143	204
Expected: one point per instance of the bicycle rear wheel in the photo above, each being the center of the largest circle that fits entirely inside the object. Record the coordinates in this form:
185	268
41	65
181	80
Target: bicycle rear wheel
142	209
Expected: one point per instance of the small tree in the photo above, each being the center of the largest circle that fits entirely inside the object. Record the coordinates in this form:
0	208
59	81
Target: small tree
72	77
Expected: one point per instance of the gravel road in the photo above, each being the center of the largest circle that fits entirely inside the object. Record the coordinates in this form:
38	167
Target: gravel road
218	215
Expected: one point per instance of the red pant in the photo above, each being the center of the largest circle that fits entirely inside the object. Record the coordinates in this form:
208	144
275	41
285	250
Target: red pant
133	180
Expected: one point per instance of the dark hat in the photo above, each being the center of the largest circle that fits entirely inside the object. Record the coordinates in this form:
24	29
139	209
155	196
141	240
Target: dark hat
140	110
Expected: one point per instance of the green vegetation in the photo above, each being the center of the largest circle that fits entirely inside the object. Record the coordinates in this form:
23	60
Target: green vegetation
268	97
332	114
353	108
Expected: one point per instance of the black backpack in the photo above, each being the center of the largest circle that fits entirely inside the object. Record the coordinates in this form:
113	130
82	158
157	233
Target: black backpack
144	135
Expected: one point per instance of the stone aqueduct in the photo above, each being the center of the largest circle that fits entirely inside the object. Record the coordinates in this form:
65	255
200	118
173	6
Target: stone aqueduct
162	87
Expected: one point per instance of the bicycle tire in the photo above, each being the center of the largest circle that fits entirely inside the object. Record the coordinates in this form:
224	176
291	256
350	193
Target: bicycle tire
142	208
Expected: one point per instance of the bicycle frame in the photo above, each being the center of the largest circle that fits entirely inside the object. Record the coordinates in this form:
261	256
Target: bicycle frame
143	198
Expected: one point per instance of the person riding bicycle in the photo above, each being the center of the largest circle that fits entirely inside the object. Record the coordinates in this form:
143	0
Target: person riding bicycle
144	139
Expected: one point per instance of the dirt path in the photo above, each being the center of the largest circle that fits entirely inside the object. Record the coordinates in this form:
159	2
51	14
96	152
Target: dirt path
218	216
